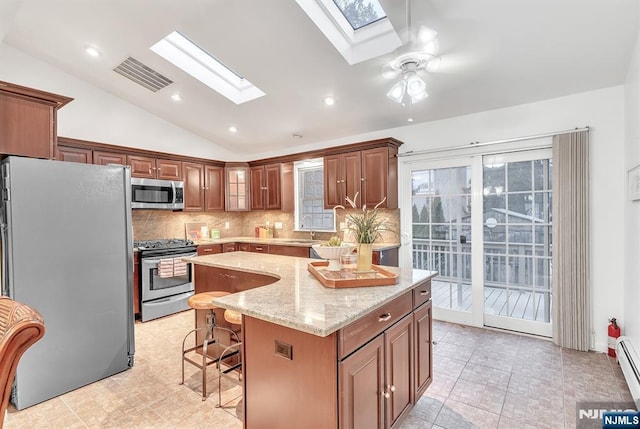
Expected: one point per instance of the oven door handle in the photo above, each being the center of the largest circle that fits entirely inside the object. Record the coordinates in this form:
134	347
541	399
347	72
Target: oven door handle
154	261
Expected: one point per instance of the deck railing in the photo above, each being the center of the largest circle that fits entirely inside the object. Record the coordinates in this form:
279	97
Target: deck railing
526	268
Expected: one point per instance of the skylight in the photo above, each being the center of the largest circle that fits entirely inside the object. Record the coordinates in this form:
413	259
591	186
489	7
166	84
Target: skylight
359	29
360	13
192	59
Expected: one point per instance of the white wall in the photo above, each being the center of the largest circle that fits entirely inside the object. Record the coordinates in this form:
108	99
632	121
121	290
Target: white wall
603	111
631	325
97	115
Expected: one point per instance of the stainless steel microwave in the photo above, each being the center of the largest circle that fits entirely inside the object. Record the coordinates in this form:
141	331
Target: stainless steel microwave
157	194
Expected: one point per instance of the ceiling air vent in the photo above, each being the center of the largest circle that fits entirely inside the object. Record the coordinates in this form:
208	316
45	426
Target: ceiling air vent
142	75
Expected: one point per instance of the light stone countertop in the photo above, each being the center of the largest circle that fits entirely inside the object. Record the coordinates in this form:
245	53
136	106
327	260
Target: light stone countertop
301	242
298	300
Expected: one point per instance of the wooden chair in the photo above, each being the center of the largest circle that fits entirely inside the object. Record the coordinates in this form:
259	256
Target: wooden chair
20	328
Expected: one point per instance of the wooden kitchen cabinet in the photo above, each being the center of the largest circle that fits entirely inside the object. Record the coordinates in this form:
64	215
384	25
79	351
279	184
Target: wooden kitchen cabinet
152	168
375	382
342	177
265	187
360	377
276	249
203	187
72	154
28	121
372	173
229	247
237	188
104	158
209	249
423	354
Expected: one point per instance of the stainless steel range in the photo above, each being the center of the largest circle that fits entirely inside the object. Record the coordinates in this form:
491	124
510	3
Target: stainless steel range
166	281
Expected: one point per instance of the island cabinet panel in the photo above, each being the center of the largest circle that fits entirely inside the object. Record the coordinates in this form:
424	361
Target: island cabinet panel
398	390
361	376
362	330
290	377
423	359
72	154
104	158
376	383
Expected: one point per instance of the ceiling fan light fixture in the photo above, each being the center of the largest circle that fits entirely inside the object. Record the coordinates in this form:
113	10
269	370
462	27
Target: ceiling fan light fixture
396	93
415	85
415	98
426	34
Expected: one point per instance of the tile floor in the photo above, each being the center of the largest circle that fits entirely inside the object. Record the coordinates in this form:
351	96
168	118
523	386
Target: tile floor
482	378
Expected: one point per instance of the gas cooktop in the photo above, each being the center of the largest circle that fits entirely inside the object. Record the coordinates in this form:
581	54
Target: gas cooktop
165	243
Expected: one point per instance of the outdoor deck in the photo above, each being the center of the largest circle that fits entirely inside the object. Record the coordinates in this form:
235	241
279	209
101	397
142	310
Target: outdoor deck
521	305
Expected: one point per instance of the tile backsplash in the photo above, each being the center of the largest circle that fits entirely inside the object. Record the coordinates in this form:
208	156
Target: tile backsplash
152	224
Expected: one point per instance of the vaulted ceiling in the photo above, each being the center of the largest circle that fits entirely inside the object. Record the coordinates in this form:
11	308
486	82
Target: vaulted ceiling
494	53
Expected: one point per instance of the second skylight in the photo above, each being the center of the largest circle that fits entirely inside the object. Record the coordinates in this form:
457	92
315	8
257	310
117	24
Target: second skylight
186	55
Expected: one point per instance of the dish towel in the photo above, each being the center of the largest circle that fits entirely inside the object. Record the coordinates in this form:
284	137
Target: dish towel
165	268
179	267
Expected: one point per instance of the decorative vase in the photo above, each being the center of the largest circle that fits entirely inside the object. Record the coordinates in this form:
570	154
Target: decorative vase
365	255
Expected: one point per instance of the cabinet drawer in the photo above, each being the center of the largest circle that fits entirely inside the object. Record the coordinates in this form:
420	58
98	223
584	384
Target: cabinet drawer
208	249
359	332
229	247
421	293
260	248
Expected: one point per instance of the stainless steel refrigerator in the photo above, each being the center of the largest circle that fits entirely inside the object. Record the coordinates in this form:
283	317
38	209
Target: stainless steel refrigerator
67	252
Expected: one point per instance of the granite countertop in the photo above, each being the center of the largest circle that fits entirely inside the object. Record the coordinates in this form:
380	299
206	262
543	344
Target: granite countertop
297	242
297	299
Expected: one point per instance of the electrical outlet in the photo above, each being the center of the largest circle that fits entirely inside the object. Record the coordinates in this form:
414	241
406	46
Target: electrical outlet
278	225
226	225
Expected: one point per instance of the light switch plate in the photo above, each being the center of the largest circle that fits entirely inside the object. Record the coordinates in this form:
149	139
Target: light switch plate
278	225
226	225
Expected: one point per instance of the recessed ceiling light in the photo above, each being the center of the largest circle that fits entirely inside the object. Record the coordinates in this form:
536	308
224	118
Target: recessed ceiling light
92	51
410	120
233	129
176	97
297	136
329	101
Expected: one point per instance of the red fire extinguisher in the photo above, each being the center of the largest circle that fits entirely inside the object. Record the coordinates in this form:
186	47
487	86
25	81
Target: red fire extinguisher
614	333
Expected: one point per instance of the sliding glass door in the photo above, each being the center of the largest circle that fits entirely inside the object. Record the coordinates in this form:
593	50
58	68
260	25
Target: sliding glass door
441	231
517	241
484	224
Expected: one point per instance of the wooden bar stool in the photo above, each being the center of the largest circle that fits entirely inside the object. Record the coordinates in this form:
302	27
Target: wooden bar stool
226	369
202	301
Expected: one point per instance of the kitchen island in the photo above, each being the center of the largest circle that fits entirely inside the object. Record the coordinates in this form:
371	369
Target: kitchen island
322	357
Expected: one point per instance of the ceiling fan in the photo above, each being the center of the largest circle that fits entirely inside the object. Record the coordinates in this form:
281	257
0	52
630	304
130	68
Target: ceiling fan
414	58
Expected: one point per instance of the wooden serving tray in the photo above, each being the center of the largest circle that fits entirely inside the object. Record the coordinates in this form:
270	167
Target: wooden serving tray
348	277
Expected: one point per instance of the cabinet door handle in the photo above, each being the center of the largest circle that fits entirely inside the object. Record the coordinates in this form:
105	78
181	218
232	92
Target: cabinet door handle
424	292
392	388
207	250
362	179
386	395
384	317
258	248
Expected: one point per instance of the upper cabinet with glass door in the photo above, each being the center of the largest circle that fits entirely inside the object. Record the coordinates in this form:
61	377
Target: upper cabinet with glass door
237	188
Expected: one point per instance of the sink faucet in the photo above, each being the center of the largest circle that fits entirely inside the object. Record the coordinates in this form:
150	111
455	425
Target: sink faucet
312	233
